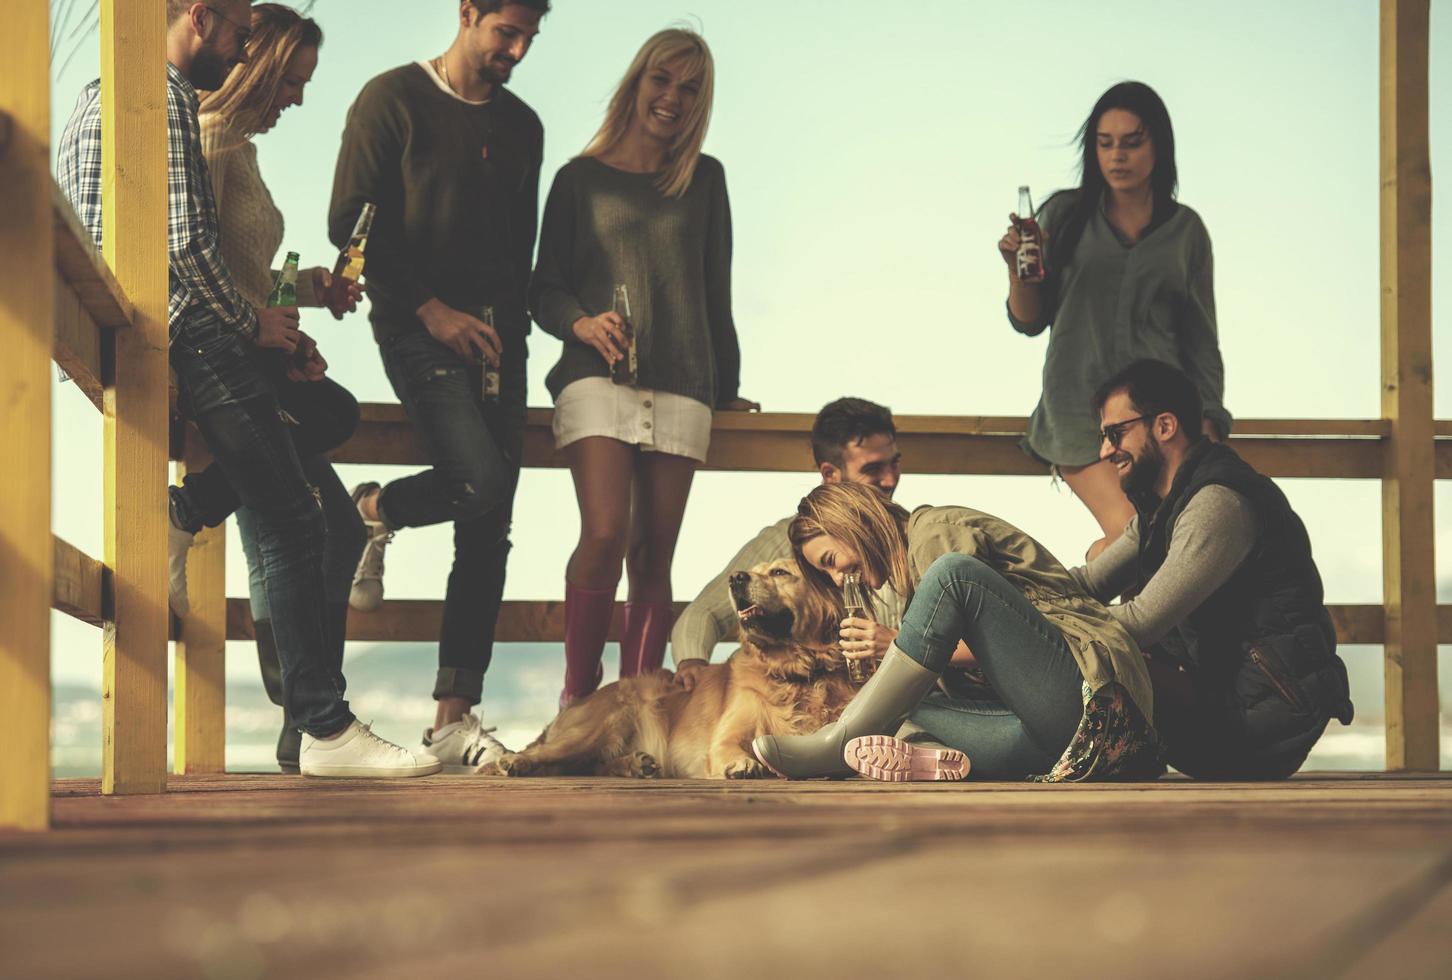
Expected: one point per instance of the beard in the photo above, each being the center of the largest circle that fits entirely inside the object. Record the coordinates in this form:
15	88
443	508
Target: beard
497	70
210	70
1144	471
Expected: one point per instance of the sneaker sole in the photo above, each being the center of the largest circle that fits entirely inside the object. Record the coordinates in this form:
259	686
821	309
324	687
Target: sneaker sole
893	760
370	772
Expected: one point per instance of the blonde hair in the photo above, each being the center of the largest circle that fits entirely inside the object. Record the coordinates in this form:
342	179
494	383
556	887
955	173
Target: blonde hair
673	44
244	99
864	520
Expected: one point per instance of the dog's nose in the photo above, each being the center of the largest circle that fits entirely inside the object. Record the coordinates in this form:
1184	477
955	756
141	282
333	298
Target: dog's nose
740	578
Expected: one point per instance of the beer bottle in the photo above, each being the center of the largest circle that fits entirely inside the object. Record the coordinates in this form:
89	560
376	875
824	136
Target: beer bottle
350	260
1030	240
625	371
489	388
854	605
284	288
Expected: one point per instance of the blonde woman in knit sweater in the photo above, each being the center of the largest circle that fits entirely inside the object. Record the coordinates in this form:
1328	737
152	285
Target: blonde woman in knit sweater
282	55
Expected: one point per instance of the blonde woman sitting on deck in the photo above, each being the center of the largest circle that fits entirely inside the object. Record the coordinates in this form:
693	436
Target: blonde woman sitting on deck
1069	696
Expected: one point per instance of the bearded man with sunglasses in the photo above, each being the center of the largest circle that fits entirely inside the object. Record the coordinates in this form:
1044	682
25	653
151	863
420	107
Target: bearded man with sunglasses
1227	602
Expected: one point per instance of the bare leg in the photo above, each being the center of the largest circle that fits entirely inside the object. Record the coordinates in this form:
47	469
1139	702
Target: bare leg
662	485
603	470
1098	486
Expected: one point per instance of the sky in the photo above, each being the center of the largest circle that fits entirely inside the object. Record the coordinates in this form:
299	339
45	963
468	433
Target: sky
873	152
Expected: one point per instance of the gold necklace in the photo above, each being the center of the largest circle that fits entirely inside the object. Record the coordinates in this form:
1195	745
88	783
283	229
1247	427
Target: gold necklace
444	73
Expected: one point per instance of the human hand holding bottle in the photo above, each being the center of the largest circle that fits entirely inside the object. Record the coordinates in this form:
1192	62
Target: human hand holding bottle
605	333
1008	247
336	294
277	327
465	335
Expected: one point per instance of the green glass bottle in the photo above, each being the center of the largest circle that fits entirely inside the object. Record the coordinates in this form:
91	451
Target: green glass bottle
284	290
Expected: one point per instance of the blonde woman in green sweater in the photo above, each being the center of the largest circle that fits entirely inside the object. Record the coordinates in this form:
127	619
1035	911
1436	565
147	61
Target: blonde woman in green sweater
644	208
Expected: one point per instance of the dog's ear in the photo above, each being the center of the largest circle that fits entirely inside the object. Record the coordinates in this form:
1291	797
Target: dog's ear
819	620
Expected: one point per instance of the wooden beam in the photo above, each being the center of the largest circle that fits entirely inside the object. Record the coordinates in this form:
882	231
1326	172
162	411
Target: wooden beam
200	689
1408	529
26	301
1349	448
80	346
543	621
82	585
134	197
83	269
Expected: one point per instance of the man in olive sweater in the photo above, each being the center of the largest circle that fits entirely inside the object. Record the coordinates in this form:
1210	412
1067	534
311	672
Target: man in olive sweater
452	160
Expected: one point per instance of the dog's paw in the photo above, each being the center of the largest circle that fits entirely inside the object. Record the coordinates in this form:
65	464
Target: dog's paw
513	764
745	768
636	765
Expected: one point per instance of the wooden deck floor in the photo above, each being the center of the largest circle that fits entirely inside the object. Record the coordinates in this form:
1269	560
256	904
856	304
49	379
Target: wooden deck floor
268	876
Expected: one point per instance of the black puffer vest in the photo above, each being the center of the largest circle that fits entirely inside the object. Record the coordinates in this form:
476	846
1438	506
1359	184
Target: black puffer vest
1262	648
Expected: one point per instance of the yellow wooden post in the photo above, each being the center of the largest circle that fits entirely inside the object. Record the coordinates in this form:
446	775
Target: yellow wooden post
201	682
133	188
1408	530
27	299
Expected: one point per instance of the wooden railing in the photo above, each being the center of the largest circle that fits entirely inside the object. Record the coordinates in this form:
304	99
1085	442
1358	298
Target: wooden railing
104	321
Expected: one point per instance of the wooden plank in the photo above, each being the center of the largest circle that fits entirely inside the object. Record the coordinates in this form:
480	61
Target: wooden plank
84	270
200	686
81	584
740	442
224	872
26	314
80	346
134	194
543	621
1408	528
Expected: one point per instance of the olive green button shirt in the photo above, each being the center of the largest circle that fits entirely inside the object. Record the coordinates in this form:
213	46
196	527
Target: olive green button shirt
1112	303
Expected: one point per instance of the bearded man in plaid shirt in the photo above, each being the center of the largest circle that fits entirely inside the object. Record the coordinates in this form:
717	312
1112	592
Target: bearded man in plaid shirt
215	338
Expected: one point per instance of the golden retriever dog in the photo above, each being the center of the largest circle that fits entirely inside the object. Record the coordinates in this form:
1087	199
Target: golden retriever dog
787	678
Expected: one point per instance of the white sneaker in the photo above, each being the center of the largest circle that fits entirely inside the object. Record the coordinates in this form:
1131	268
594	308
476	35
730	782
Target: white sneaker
366	594
358	753
178	543
463	746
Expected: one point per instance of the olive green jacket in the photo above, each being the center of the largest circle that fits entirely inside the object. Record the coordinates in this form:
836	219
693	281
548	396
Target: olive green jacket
1102	648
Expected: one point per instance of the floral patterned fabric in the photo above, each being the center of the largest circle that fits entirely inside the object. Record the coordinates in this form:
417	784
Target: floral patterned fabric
1114	742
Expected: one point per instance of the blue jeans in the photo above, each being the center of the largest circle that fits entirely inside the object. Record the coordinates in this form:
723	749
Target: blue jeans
1025	658
224	389
475	448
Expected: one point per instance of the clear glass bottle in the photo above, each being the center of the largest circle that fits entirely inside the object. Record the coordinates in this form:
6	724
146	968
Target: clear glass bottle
1030	239
351	259
854	605
489	386
625	371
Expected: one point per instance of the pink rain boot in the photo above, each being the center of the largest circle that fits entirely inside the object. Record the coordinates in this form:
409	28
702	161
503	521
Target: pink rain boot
587	624
643	639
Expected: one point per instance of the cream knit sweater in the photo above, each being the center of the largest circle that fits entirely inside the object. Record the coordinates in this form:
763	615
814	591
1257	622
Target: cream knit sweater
251	225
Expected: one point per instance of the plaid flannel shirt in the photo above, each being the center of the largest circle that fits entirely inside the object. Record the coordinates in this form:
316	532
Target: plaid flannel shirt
198	278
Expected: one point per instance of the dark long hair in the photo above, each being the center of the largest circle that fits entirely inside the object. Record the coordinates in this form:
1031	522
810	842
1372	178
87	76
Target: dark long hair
1144	102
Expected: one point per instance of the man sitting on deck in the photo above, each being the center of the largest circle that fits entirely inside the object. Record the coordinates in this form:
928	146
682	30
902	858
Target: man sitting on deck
853	440
1228	602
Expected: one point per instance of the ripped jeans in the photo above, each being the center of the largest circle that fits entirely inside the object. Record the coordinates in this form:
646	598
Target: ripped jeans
475	449
224	390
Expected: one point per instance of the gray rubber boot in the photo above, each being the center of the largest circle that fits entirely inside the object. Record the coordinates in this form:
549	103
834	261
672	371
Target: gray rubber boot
884	701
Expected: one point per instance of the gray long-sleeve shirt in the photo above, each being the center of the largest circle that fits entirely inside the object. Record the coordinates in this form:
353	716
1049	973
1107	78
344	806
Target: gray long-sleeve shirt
1112	303
1212	536
711	618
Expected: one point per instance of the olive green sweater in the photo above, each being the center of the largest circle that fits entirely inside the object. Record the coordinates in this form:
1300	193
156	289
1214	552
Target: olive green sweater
604	226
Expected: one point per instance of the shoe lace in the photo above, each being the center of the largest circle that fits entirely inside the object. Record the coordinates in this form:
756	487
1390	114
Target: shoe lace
480	741
377	741
372	564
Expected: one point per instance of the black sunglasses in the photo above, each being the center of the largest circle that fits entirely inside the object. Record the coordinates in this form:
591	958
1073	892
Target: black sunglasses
1114	434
